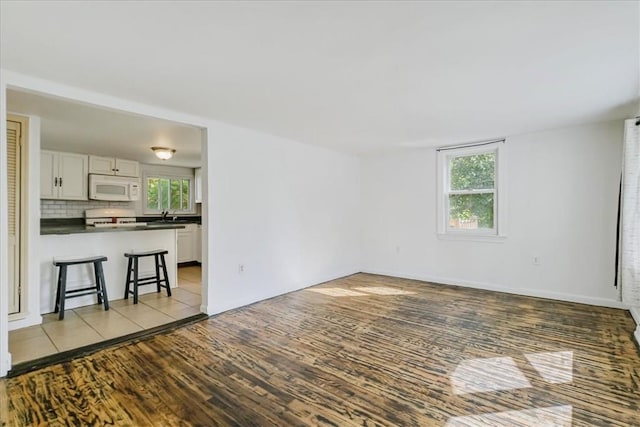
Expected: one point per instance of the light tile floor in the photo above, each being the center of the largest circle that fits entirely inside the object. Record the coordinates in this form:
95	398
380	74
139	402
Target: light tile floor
91	324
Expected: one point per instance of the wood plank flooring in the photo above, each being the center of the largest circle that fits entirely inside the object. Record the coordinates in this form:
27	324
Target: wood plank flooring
365	350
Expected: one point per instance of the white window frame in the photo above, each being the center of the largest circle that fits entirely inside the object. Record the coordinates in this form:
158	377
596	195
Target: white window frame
444	156
145	180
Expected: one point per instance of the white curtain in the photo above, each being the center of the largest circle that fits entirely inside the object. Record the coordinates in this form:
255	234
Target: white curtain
629	265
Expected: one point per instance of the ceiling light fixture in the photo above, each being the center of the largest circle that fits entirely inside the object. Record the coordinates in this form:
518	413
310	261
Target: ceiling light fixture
163	153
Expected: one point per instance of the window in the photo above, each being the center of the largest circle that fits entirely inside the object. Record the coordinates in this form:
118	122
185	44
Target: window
168	194
470	202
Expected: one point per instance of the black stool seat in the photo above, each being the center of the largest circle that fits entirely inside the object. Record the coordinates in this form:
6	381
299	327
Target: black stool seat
133	272
74	261
99	288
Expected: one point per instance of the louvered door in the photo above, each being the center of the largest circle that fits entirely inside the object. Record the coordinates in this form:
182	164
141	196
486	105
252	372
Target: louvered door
13	196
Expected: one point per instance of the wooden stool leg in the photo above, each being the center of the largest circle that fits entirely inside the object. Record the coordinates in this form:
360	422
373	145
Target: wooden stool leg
166	276
135	280
63	290
57	309
98	290
128	279
157	259
103	287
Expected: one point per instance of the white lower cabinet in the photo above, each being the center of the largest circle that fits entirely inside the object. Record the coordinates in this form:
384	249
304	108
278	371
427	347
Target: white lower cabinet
198	239
189	243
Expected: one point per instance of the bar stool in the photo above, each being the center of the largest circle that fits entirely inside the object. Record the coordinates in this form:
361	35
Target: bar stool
132	270
99	288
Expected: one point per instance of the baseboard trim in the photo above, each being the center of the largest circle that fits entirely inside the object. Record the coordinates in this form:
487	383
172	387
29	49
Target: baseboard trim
24	322
601	302
217	309
189	264
4	369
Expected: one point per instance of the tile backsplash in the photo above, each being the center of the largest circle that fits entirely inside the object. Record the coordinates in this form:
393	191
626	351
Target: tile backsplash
76	208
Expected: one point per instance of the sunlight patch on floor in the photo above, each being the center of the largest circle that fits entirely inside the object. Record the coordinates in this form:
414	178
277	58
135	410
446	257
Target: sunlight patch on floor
482	375
384	290
553	367
501	373
359	292
337	292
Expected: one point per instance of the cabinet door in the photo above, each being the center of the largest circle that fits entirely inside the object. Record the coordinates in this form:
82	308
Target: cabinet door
185	245
127	168
73	176
198	180
102	165
48	173
198	243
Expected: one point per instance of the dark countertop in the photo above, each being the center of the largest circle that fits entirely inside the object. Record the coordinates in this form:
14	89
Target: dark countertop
77	229
76	226
191	219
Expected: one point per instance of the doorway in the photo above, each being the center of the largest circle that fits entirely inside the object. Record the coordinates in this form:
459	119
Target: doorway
16	130
49	117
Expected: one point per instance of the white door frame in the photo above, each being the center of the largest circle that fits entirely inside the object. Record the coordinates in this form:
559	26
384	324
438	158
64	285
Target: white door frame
14	251
12	80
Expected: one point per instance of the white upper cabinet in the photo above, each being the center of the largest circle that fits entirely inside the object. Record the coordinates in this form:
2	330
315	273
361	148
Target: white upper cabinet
48	175
127	168
63	175
111	166
198	176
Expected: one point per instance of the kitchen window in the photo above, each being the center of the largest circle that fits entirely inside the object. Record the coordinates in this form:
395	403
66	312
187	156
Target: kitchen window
471	191
168	193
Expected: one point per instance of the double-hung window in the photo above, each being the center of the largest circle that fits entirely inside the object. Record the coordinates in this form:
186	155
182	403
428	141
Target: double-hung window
470	190
168	193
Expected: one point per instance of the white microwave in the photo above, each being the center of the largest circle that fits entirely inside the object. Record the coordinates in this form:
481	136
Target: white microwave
106	187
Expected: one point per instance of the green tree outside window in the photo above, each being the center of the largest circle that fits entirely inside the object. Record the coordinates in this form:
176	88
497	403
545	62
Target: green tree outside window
471	191
164	194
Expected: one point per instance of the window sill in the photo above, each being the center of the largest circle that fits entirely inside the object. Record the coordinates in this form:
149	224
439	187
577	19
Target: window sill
472	237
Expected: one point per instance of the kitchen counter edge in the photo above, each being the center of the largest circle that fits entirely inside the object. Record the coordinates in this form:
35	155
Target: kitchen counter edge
84	229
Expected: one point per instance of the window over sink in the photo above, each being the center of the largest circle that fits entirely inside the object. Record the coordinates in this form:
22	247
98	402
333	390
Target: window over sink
168	193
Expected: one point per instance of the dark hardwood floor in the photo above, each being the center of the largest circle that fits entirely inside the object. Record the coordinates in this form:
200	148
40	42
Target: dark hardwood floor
365	350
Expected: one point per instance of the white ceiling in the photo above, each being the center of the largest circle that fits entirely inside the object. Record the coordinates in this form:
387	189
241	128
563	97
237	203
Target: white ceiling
356	76
80	128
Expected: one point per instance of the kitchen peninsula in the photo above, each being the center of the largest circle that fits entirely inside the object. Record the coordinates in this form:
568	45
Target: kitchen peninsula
74	239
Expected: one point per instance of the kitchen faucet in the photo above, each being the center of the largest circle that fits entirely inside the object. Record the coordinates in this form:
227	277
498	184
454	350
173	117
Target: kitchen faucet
166	213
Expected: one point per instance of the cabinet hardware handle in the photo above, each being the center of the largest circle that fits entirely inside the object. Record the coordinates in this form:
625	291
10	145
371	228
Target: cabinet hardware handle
60	181
55	181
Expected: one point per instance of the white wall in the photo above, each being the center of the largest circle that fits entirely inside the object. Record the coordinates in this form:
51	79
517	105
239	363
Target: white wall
562	206
286	211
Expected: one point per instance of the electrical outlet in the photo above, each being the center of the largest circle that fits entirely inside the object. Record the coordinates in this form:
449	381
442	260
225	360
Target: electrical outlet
536	260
